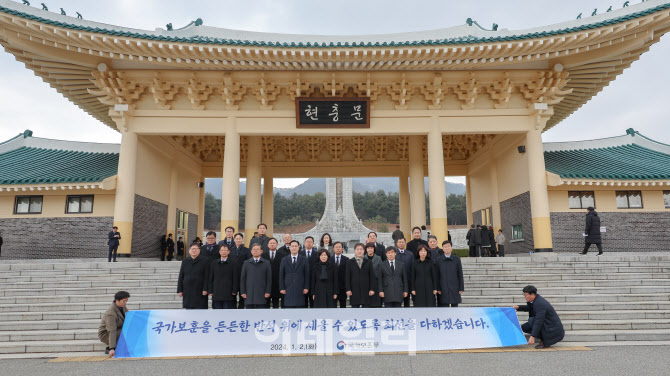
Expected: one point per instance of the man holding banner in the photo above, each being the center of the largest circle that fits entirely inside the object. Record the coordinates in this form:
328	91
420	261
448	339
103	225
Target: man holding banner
256	279
543	321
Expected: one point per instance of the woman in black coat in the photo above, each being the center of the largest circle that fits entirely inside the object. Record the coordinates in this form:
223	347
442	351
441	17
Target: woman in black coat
424	279
323	282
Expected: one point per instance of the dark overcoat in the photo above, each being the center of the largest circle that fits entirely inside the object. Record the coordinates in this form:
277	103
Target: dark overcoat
592	230
407	258
211	251
256	280
224	279
450	272
380	251
547	325
262	240
359	281
414	244
112	240
324	289
484	233
294	279
393	283
275	271
424	280
193	280
375	300
341	270
473	237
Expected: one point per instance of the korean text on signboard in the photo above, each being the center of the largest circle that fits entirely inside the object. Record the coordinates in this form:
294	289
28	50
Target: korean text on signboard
333	112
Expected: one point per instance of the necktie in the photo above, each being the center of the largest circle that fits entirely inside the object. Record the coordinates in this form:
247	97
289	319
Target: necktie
272	256
256	261
360	262
337	260
393	266
293	260
309	254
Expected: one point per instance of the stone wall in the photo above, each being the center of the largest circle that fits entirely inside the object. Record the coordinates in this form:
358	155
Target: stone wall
149	224
625	231
54	238
515	211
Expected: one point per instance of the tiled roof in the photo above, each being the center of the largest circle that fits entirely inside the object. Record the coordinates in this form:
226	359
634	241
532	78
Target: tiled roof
55	161
207	39
630	157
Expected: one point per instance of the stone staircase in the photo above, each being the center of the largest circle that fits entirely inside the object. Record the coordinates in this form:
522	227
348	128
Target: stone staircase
53	307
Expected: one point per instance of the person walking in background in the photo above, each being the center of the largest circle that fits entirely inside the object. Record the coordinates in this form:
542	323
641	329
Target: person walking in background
113	238
340	262
452	283
375	300
163	246
500	241
224	280
592	233
474	241
1	241
543	321
424	278
170	248
193	279
397	234
323	284
180	248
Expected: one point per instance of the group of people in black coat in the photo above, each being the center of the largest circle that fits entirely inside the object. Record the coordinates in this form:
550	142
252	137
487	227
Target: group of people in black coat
167	245
292	276
482	241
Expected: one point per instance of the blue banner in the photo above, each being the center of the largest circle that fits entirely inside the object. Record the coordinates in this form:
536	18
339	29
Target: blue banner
316	331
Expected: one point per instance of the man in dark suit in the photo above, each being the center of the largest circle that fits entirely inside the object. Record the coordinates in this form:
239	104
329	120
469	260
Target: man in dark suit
256	279
416	241
286	248
340	262
274	256
210	249
294	277
241	254
112	241
310	252
379	248
229	237
261	239
543	321
193	280
393	284
407	258
224	280
359	279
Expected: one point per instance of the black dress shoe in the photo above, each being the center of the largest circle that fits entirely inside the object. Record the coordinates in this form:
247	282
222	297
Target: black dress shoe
106	350
582	253
600	254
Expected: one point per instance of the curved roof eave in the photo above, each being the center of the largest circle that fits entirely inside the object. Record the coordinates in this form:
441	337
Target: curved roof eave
458	35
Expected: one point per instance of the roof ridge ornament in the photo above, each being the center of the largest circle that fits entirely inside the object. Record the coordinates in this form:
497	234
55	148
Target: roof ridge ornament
44	7
26	2
197	22
470	22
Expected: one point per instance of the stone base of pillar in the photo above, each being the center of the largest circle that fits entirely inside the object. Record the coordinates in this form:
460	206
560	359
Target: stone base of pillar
543	250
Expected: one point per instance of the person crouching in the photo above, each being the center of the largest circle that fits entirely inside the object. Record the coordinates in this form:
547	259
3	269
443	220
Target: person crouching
112	322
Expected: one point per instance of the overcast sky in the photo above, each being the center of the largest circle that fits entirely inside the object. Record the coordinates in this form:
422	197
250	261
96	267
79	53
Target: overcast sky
639	98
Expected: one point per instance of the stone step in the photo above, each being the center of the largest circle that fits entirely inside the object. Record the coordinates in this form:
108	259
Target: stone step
639	324
60	316
646	335
52	346
52	335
